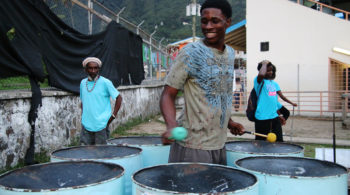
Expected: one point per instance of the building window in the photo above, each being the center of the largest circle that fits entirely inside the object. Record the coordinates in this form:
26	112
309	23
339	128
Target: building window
264	46
339	83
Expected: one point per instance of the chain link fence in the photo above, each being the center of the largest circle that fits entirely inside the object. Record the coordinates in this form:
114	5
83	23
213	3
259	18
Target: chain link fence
91	17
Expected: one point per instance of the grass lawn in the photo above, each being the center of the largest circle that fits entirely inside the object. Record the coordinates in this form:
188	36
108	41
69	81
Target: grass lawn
309	149
21	82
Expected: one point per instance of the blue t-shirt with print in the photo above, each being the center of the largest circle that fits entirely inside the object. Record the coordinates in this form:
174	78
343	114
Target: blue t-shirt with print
268	99
96	103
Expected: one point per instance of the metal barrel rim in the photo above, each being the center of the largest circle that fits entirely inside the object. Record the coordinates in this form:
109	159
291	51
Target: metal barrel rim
288	176
267	154
87	159
64	188
255	185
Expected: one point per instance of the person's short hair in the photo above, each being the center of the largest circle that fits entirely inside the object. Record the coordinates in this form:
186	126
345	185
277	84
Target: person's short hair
223	5
268	63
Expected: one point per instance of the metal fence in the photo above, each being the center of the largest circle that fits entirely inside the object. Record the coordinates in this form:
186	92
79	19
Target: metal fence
310	103
91	17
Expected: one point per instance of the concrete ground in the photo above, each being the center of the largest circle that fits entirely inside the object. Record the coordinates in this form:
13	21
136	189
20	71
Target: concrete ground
297	129
306	130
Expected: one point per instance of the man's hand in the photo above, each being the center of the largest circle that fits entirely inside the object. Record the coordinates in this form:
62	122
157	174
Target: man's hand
235	128
165	137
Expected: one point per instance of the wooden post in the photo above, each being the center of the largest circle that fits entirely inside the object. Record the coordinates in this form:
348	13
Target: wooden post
321	109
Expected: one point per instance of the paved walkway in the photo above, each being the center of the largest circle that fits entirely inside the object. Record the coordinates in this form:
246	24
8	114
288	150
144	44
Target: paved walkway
287	138
305	130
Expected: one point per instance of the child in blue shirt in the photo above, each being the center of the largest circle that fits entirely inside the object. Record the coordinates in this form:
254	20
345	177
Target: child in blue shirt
267	119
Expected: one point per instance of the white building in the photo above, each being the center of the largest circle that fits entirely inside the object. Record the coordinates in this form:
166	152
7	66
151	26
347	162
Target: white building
300	42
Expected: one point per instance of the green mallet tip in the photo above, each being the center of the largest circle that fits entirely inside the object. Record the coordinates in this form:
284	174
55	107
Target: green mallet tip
178	133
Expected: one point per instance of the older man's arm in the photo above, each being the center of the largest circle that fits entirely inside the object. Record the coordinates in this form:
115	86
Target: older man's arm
117	105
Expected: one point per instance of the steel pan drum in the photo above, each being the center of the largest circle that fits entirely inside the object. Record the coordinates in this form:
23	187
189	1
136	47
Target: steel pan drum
153	151
64	178
128	157
240	149
295	175
193	178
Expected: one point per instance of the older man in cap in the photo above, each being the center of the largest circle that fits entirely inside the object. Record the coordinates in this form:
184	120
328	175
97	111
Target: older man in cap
95	94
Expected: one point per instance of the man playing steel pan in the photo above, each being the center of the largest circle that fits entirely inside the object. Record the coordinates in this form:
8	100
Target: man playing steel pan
205	72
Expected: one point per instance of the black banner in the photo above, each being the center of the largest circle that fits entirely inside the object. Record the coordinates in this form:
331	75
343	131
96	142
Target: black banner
35	42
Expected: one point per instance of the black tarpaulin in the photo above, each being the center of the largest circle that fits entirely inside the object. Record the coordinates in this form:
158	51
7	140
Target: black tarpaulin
35	42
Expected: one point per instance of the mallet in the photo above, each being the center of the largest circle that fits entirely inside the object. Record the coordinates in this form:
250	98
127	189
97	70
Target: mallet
270	137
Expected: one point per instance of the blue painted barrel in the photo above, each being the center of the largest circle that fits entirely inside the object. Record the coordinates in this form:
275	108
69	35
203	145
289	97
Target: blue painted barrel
128	157
240	149
153	151
64	178
296	175
193	178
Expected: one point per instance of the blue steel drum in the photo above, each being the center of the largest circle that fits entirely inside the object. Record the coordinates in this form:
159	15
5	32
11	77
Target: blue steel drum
153	151
295	175
64	178
240	149
128	157
193	178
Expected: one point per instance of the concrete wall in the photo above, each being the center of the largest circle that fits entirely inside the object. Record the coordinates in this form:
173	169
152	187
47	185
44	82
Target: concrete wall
296	35
59	118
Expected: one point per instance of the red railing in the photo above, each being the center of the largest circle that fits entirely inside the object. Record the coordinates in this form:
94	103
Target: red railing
321	7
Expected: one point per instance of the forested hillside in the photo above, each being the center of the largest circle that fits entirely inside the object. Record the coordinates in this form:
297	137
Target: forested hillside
167	15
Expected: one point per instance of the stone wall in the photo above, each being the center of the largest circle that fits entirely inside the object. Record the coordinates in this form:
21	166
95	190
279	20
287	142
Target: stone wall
59	118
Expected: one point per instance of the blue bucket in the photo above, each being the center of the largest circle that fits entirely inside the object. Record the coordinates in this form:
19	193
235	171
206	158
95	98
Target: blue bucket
64	178
296	176
240	149
194	178
153	151
128	157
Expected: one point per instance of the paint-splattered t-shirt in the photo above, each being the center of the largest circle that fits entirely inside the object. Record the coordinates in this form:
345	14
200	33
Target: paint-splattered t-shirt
206	76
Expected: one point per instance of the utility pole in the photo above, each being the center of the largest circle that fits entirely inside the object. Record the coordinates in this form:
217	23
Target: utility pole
193	10
194	22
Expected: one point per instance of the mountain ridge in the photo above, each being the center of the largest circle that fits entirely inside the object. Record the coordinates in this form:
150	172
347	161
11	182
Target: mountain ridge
167	16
